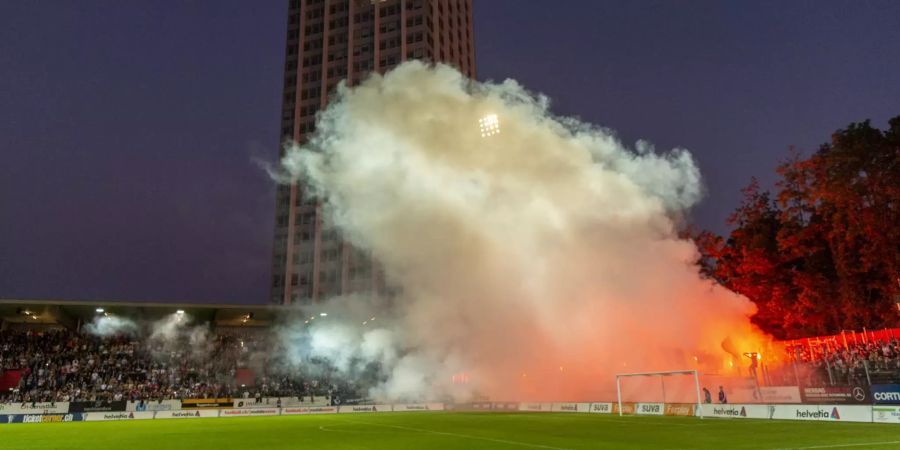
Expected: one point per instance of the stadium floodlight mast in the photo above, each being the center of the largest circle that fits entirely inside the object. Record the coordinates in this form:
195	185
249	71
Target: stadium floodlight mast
489	125
696	375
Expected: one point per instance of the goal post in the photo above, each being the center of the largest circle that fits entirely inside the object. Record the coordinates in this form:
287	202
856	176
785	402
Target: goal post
662	376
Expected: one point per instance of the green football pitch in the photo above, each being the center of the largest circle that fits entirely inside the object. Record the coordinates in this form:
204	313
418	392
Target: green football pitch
435	430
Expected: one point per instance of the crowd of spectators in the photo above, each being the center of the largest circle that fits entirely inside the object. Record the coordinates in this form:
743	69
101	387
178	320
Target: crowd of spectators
62	365
852	363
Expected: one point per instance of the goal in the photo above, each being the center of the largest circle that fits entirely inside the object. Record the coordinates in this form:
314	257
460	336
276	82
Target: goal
683	387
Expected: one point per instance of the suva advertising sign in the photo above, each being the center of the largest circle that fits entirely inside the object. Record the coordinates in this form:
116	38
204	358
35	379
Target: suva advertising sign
886	394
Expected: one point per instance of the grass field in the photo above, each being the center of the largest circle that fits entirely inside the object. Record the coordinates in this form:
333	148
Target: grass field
449	431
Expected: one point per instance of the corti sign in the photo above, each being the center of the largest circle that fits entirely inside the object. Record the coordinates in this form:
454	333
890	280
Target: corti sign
886	394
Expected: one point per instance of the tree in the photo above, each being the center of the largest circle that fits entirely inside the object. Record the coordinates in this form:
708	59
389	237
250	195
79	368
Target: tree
749	263
825	255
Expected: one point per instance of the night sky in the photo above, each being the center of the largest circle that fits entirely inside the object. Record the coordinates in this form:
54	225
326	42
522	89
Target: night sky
129	131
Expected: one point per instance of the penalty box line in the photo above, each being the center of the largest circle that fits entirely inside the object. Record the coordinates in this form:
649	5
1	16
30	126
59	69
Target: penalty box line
459	435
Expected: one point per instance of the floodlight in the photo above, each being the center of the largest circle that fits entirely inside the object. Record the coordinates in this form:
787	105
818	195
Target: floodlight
489	125
180	312
99	310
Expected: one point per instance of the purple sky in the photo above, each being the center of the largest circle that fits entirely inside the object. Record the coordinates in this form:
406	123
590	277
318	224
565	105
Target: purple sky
128	129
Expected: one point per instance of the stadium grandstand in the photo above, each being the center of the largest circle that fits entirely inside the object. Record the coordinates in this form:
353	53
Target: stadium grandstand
47	354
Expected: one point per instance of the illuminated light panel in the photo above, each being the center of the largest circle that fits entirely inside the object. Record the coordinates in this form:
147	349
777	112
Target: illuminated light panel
489	125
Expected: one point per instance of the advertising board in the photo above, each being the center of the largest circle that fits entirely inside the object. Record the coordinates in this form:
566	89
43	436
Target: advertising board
842	395
886	394
364	408
886	414
536	407
679	409
419	407
627	408
765	394
501	406
34	408
780	394
294	410
747	411
208	403
187	414
826	413
601	408
250	403
43	418
154	405
98	406
570	407
650	409
117	415
249	412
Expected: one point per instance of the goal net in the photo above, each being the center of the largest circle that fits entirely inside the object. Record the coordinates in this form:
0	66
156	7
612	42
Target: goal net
674	392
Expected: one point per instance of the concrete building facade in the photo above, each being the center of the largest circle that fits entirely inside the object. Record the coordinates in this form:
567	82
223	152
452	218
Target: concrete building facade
329	41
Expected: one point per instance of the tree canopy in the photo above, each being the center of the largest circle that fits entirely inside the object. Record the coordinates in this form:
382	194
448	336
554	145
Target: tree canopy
823	253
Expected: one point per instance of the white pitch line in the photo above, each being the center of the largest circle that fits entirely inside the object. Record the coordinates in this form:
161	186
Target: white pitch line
863	444
465	436
331	430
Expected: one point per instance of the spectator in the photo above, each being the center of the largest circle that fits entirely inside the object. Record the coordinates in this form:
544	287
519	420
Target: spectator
63	365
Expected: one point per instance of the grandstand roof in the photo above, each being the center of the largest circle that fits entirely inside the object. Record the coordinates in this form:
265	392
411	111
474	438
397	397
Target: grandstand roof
72	313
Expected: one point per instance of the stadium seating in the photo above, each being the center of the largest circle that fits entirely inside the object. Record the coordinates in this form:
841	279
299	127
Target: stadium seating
62	365
871	362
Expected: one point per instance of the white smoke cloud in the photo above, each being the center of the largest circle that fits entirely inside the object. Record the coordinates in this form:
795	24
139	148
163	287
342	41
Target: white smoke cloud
176	334
534	262
111	325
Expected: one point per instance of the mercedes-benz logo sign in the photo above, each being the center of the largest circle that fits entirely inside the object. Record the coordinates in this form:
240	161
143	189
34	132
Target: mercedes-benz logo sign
859	394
